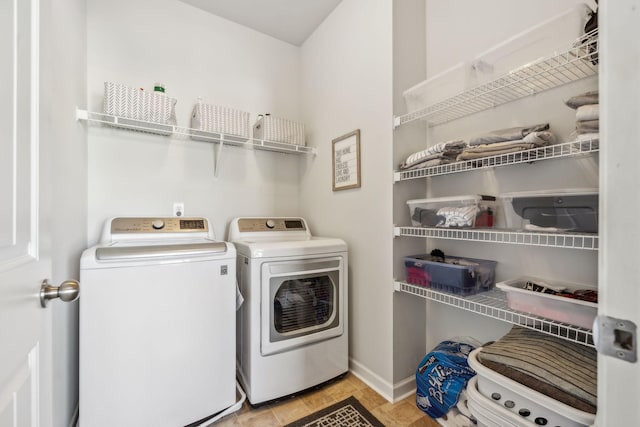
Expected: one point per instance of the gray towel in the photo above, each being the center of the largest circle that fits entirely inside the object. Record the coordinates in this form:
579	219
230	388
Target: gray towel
583	99
532	140
510	134
565	365
587	126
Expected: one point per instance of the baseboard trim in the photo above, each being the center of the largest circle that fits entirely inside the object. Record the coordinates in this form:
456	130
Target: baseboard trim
404	388
391	392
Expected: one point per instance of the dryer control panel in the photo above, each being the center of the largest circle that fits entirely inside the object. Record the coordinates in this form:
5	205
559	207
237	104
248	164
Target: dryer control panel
270	224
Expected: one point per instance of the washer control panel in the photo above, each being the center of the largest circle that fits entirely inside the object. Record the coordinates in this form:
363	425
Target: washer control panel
159	225
271	224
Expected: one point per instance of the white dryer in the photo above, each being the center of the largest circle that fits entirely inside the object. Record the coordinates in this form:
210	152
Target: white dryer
292	328
156	324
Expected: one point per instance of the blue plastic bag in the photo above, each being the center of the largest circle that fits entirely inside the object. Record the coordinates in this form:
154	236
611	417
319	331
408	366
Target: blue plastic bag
441	376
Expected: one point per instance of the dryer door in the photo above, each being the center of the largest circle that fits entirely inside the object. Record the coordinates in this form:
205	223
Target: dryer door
301	302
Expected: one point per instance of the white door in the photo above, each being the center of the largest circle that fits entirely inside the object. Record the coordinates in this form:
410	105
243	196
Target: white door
619	264
25	327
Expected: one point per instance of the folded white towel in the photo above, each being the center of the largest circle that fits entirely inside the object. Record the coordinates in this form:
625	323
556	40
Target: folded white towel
588	112
588	136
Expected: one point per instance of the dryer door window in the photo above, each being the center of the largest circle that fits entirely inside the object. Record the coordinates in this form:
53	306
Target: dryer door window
304	306
301	302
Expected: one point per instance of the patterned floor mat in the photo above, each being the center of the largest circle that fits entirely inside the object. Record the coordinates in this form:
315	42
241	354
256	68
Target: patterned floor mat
349	413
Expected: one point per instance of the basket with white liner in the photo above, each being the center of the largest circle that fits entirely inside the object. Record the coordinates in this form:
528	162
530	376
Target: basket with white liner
150	111
278	129
207	119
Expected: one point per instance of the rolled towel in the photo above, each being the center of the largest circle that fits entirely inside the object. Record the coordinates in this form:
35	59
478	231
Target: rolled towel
587	126
586	98
588	136
588	112
540	138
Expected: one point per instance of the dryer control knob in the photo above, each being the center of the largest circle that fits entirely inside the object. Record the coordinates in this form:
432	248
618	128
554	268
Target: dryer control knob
270	223
158	224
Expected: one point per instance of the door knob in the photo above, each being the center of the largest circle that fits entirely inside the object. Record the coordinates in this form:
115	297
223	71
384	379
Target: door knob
68	291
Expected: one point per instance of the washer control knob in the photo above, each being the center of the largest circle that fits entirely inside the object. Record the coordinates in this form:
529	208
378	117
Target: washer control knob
157	224
270	223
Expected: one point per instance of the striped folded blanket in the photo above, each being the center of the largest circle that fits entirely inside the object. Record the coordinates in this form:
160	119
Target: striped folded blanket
560	369
442	152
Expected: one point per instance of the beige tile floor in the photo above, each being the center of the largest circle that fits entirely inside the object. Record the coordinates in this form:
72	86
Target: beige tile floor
400	414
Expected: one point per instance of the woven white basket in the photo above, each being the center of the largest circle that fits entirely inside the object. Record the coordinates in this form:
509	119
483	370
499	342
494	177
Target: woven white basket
280	130
217	119
132	103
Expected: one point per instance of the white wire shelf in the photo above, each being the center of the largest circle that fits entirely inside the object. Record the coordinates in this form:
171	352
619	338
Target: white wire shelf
198	135
547	73
555	240
566	149
493	304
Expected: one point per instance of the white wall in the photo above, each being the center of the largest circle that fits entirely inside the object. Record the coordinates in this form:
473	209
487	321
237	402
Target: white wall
64	151
347	85
195	54
409	67
340	79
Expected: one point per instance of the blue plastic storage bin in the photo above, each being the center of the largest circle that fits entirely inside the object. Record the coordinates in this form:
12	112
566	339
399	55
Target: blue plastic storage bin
457	275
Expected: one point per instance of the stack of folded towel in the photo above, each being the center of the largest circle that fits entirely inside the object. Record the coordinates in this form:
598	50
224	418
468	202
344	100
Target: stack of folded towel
506	141
439	154
503	141
587	115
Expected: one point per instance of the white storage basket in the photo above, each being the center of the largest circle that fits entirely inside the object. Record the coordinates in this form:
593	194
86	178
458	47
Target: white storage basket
220	120
279	130
137	104
554	307
510	396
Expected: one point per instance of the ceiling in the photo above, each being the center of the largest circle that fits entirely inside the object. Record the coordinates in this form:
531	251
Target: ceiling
291	21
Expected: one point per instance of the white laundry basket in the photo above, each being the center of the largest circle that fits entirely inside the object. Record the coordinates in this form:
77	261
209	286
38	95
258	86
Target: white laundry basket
488	413
509	403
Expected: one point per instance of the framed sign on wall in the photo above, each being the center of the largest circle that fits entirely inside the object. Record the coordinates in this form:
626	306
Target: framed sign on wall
346	161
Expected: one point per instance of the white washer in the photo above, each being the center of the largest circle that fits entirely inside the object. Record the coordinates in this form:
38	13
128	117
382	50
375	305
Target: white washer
292	327
156	324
